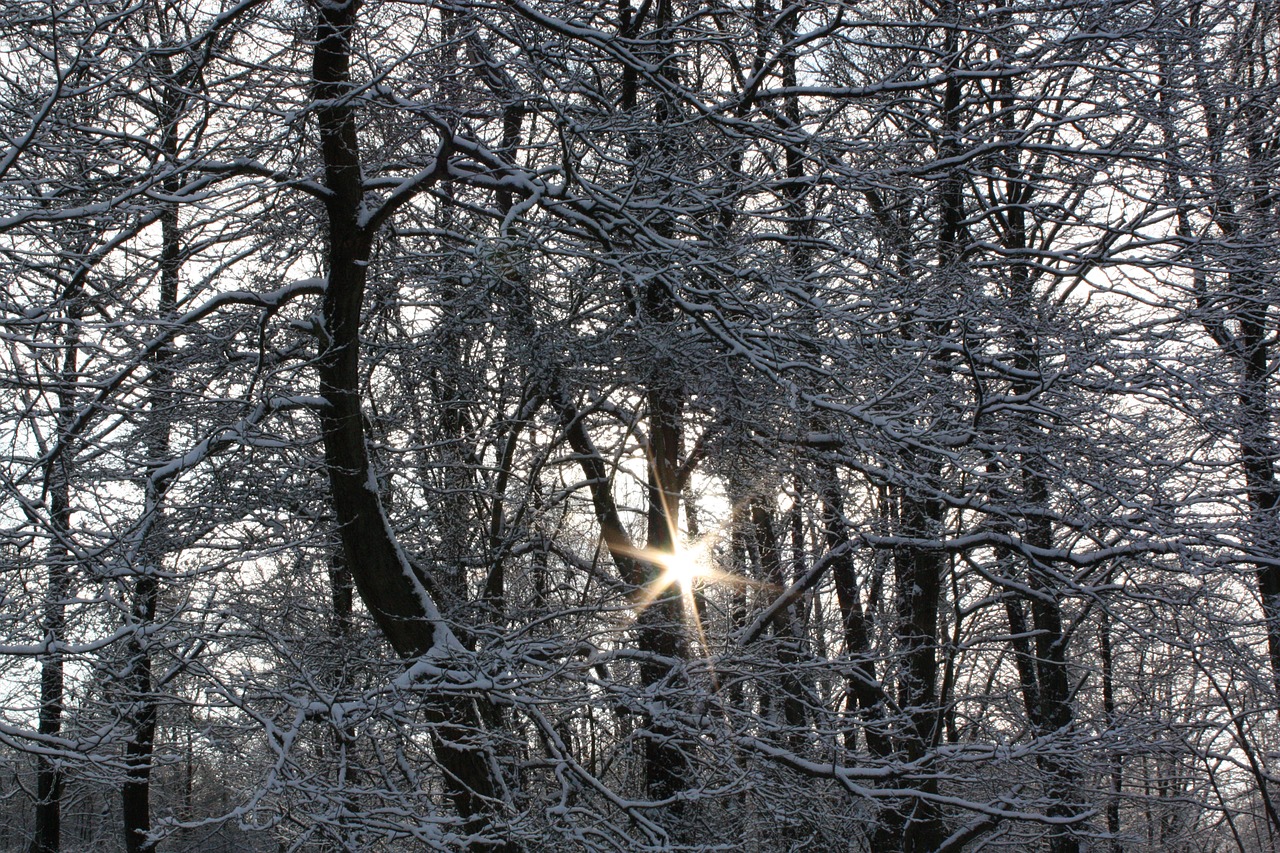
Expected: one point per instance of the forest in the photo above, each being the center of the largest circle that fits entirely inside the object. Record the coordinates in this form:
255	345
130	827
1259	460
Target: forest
524	426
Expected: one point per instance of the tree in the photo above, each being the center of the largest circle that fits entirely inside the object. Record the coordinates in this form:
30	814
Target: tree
526	426
1221	153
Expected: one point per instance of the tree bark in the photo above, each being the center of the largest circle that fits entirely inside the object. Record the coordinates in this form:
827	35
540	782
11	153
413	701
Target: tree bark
50	781
864	694
784	623
49	776
916	826
397	598
135	793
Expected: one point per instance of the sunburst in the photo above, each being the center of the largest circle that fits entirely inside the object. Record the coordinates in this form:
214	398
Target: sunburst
689	568
686	567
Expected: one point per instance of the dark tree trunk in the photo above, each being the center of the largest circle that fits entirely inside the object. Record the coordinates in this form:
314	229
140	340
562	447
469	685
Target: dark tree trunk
1055	715
863	692
1109	711
1052	675
135	793
915	827
785	629
660	628
667	756
57	478
388	584
49	777
1258	452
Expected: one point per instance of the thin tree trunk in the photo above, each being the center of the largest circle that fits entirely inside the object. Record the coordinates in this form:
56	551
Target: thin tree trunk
57	476
1055	715
784	623
140	721
49	777
1109	711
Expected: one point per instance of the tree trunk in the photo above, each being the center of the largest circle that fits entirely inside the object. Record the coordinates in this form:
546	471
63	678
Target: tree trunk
49	778
140	720
1109	712
916	826
784	623
57	478
389	585
1258	454
864	694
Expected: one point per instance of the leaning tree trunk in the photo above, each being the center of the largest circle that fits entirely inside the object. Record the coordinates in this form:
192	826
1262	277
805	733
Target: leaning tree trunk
388	584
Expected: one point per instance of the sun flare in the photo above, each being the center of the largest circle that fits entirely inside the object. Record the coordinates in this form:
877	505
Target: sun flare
686	567
682	577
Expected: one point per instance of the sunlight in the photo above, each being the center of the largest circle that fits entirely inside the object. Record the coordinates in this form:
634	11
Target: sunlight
690	567
686	566
683	574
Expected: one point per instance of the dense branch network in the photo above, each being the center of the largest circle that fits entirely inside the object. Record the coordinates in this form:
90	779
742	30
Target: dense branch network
524	426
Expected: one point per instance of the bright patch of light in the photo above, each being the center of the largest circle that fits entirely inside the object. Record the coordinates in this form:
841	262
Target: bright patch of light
686	567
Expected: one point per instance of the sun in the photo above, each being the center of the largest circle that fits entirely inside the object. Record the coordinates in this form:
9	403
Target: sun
689	570
685	566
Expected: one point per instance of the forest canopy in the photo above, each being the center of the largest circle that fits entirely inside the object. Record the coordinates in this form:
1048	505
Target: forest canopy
546	425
